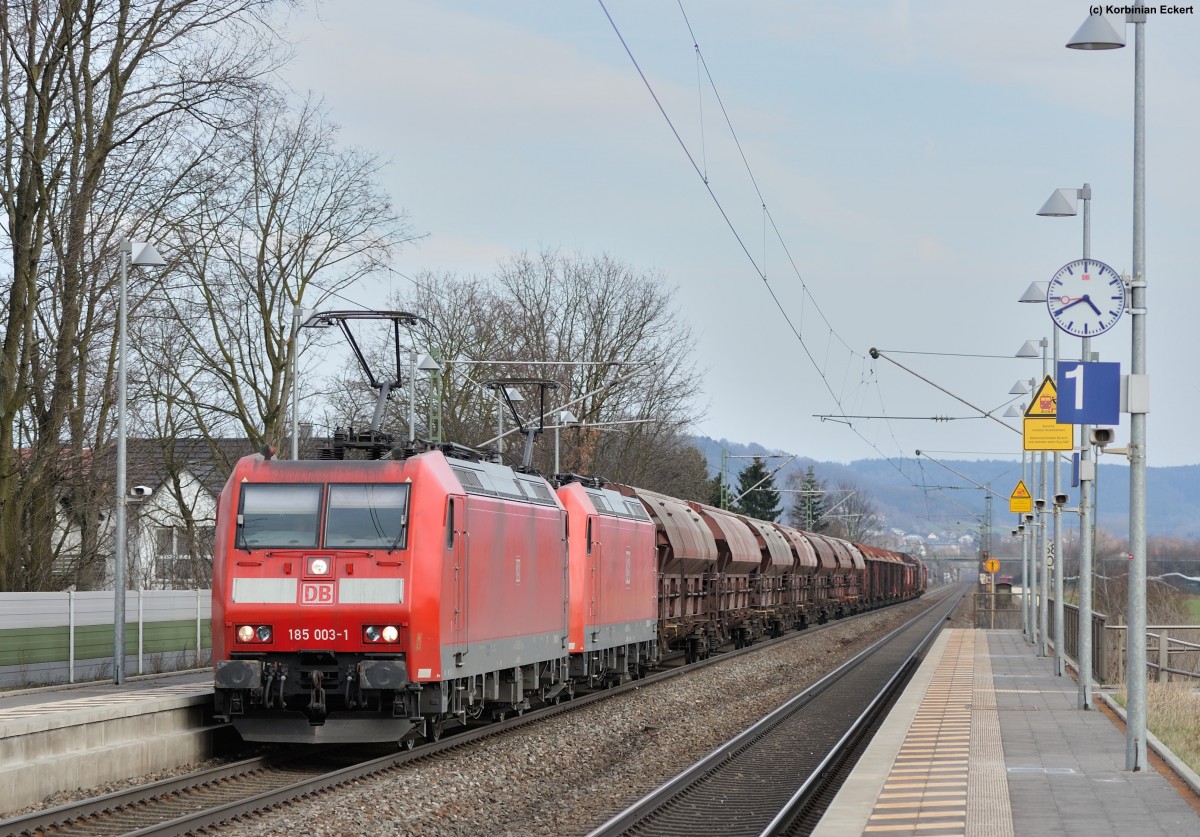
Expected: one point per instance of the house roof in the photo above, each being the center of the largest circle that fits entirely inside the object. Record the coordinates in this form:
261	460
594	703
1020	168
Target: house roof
151	462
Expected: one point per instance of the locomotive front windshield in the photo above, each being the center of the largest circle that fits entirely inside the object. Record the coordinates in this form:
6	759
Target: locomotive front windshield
372	516
279	515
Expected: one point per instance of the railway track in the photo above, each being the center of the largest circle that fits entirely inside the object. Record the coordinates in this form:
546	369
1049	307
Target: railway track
779	775
206	799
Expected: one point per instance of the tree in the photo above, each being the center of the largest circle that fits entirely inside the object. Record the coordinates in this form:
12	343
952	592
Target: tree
275	210
758	496
719	492
607	334
91	94
855	516
808	509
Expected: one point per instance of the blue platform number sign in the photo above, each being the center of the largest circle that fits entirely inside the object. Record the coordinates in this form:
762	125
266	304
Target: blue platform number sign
1089	393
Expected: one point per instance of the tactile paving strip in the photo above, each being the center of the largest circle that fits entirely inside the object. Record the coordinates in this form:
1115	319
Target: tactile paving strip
947	767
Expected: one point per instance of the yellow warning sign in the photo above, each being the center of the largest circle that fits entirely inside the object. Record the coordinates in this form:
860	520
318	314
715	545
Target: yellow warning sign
1041	434
992	565
1019	501
1045	401
1041	428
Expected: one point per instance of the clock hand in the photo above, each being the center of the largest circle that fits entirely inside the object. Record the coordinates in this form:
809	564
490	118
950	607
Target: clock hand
1075	301
1088	300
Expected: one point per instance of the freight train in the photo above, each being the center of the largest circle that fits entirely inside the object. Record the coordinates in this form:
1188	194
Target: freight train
389	599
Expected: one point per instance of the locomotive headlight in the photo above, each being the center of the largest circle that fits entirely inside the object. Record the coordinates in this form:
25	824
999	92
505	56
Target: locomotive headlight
253	633
318	566
371	633
390	634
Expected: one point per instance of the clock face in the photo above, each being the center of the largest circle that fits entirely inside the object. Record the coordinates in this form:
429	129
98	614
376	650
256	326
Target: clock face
1086	298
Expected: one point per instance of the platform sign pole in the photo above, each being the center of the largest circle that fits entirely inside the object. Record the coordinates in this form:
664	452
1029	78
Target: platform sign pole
1090	395
1086	545
1060	664
1020	504
991	566
992	602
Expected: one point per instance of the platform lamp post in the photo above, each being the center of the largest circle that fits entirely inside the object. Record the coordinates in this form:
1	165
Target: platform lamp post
140	255
1061	204
1036	292
1096	33
1018	411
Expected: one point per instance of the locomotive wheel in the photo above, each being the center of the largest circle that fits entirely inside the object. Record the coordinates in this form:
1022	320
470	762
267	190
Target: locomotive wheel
435	733
408	744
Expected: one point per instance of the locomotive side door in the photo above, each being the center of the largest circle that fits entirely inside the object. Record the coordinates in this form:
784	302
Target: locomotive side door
595	589
458	556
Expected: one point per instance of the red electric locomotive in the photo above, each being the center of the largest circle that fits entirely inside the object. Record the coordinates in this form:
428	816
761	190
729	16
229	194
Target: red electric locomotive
383	599
613	578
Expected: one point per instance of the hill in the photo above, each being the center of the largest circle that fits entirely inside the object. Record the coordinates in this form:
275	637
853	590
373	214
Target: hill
922	496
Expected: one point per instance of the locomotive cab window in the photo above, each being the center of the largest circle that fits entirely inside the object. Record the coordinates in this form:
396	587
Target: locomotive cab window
367	516
278	515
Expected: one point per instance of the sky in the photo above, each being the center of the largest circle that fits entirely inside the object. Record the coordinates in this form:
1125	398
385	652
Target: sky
853	176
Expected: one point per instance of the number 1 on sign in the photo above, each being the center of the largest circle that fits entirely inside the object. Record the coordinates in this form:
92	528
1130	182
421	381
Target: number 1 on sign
1077	375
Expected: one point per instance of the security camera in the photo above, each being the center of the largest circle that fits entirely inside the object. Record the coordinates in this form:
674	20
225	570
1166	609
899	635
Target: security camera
1102	436
1021	527
141	491
1060	499
1014	533
1029	517
1039	503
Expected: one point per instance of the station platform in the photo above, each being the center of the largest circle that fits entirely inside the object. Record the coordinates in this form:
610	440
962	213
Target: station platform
987	741
63	738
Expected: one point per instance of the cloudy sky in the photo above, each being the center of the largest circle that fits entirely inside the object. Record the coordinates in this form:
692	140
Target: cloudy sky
854	176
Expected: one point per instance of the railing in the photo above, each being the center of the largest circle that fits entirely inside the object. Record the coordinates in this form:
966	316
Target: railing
1000	610
1101	650
1172	652
50	638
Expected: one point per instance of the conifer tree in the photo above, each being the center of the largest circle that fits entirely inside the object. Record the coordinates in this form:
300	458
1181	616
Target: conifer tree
759	496
808	509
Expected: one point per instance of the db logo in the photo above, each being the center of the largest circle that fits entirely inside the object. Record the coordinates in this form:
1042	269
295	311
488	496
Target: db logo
316	593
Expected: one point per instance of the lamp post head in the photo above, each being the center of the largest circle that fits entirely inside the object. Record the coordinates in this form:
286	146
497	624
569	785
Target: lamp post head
1028	349
144	255
1036	292
1061	204
1096	33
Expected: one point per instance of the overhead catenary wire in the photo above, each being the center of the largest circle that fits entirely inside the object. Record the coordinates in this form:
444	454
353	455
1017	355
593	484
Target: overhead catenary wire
820	367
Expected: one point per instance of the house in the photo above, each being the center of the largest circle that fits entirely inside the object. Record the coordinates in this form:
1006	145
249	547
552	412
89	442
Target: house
172	507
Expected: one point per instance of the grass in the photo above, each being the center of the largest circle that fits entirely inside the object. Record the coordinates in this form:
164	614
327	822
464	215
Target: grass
1193	606
1173	714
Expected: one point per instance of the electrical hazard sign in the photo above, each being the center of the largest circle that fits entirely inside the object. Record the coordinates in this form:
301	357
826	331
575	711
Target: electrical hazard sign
1045	401
1041	428
1019	501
